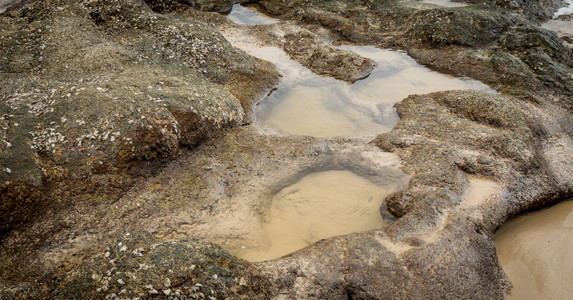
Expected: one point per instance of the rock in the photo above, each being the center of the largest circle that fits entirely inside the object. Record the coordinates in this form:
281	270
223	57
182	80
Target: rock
97	95
139	276
326	60
115	87
541	10
441	38
440	235
475	26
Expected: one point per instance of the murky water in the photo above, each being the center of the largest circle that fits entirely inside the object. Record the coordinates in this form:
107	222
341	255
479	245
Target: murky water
320	205
308	104
249	16
536	253
562	27
445	3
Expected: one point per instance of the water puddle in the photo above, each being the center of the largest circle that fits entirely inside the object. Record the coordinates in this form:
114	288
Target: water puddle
536	253
329	203
445	3
320	205
249	16
559	26
309	104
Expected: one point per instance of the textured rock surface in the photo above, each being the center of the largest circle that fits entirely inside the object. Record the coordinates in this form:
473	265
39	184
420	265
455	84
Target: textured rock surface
97	93
94	91
445	140
325	60
140	266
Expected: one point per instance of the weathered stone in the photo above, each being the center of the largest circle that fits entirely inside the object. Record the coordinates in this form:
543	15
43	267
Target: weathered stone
325	60
75	70
103	87
136	265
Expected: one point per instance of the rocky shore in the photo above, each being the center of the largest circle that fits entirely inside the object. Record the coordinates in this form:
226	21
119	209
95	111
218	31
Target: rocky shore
125	133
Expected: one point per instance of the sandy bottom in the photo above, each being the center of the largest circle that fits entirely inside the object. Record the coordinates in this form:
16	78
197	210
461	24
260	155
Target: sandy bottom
249	16
308	104
536	253
320	205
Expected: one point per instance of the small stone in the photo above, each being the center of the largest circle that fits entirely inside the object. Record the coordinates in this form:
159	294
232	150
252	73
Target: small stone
107	254
8	171
123	248
167	292
484	160
120	281
243	281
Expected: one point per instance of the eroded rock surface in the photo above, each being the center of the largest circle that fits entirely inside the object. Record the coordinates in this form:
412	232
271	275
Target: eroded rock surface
97	93
139	266
325	60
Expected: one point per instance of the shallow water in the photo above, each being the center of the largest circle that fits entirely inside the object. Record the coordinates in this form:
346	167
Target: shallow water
320	205
563	27
536	253
249	16
309	104
445	3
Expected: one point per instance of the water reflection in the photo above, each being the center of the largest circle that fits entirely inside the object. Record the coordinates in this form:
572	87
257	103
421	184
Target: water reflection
445	3
536	253
249	16
308	104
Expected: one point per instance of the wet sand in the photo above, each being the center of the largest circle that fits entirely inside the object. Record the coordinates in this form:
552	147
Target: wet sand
536	253
320	205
